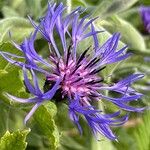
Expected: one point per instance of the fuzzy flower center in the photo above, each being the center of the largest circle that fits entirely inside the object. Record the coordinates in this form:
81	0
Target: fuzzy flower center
78	76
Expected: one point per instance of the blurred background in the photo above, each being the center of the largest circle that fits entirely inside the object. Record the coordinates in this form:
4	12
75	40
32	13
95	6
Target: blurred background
55	130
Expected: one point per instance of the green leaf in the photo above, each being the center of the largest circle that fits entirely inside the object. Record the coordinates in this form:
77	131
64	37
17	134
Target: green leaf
72	4
2	2
44	117
19	28
70	137
36	8
145	2
93	2
133	16
76	3
104	144
142	133
19	6
10	75
129	34
14	141
9	12
110	7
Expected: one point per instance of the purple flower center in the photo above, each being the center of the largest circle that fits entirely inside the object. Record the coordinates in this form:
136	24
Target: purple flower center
77	76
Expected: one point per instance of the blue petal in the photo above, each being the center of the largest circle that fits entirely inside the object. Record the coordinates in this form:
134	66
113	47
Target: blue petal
51	92
22	100
31	112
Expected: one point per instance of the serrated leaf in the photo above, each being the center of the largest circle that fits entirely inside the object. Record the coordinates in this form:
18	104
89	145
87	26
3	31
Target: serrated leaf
44	117
107	8
19	28
14	141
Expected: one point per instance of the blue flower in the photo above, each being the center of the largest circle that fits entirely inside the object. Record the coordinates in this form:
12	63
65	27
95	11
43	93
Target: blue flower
39	96
75	76
145	15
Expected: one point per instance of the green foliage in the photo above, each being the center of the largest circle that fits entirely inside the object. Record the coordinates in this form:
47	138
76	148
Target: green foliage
76	3
70	137
136	64
115	16
109	7
38	5
9	12
22	8
15	25
129	34
10	76
44	118
142	133
102	144
14	141
136	137
145	2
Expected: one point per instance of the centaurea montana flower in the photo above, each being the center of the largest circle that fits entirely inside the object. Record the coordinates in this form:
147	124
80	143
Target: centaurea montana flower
145	15
75	76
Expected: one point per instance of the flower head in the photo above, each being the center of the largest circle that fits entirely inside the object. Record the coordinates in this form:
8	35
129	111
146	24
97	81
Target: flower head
145	15
75	76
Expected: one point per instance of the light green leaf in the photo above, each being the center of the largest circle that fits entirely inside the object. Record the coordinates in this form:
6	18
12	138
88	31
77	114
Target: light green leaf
14	141
129	34
36	8
104	144
133	16
16	3
110	7
9	12
19	6
44	117
19	28
72	4
142	133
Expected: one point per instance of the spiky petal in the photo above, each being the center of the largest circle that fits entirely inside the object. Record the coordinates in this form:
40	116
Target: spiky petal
76	77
